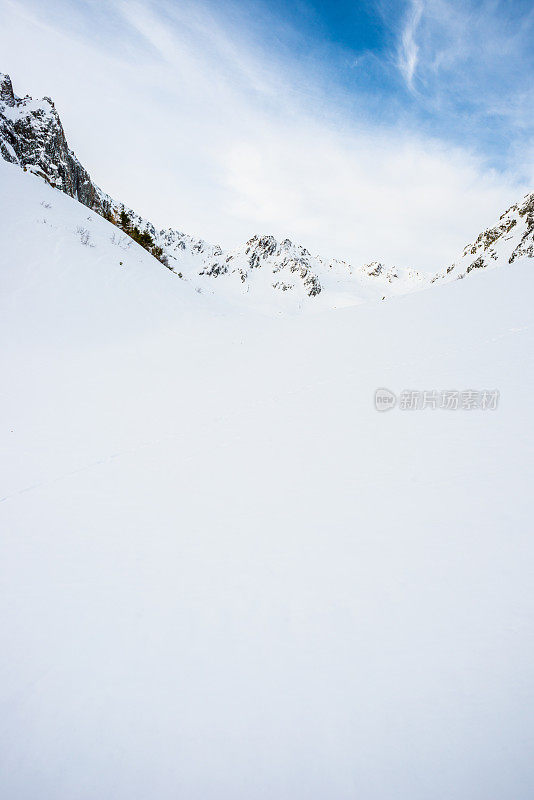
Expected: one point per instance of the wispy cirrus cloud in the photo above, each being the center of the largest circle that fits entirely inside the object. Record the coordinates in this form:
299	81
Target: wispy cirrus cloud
408	47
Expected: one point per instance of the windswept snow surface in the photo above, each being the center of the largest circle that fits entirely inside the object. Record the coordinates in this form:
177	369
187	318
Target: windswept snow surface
224	575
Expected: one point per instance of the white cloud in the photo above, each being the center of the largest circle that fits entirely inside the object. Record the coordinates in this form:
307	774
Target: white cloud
189	120
408	50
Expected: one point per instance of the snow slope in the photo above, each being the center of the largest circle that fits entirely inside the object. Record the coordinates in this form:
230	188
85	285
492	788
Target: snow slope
223	573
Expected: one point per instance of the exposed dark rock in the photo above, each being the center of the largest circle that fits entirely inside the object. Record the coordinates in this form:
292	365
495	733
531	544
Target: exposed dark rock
32	136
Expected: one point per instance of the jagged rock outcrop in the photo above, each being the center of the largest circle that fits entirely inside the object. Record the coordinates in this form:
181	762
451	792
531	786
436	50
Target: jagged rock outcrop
32	136
511	238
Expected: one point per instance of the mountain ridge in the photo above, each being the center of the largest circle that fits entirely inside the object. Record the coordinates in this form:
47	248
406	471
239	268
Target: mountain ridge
32	137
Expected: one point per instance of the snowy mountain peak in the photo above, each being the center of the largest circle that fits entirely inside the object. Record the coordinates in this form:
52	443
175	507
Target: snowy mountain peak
265	246
32	136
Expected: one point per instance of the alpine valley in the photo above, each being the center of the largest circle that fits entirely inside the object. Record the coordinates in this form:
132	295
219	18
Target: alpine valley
224	573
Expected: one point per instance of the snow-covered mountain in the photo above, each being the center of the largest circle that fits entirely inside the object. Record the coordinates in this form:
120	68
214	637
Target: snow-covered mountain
264	273
264	270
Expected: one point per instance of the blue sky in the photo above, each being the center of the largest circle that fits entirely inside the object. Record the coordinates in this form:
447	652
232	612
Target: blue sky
460	69
379	129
